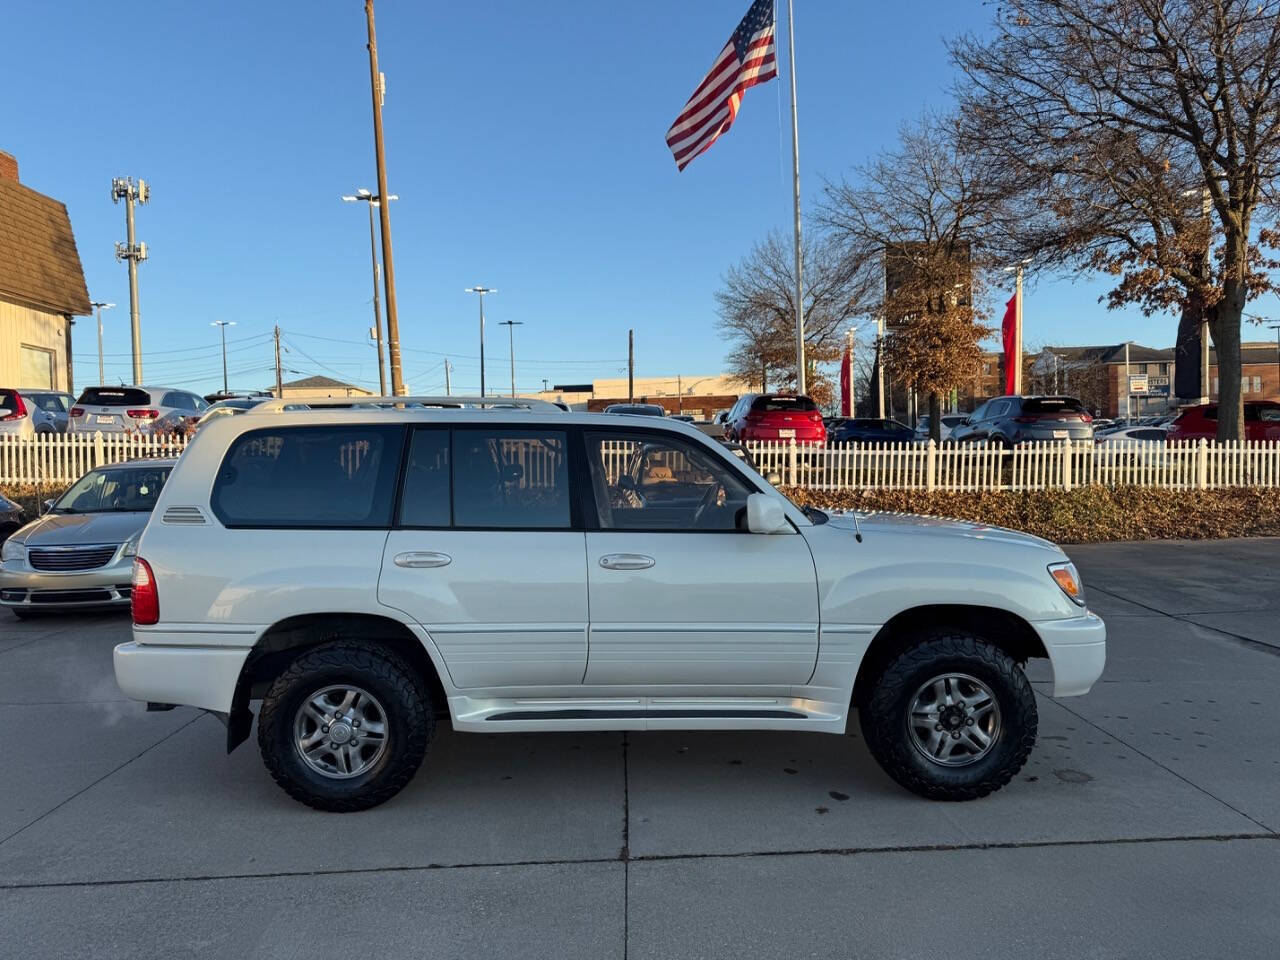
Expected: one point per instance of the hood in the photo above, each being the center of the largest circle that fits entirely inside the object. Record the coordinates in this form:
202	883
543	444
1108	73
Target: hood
68	529
914	524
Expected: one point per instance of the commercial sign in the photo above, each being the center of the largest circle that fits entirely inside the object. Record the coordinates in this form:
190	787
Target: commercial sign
1138	383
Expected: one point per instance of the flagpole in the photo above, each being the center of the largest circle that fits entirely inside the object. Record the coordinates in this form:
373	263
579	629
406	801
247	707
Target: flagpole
795	167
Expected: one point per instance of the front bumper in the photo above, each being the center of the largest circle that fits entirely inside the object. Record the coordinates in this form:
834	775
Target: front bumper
27	589
1077	648
196	676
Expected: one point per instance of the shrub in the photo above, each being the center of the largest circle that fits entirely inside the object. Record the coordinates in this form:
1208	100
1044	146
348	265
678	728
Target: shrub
1084	515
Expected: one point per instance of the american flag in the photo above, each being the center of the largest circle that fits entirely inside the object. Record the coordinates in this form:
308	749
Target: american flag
747	59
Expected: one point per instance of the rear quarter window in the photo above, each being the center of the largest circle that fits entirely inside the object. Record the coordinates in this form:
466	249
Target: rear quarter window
309	477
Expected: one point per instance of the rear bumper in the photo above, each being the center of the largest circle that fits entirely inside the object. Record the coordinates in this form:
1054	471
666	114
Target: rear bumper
196	676
1077	648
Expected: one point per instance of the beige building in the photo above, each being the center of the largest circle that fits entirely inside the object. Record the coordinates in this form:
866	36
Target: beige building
318	388
41	286
694	393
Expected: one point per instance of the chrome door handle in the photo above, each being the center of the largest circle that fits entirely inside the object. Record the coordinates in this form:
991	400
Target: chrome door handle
626	561
422	559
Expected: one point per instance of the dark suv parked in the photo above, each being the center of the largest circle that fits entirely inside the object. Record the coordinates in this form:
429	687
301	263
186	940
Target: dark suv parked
1008	421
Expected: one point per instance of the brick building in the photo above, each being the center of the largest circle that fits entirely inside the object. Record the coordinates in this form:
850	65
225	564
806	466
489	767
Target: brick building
41	286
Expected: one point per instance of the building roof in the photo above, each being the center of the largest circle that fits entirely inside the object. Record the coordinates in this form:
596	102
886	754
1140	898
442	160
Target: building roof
321	383
1250	352
39	263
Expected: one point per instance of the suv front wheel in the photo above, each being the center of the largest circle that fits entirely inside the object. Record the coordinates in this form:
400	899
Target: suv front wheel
345	727
951	718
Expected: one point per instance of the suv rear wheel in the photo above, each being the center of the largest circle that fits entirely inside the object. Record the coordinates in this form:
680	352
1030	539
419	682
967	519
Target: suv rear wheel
951	718
345	727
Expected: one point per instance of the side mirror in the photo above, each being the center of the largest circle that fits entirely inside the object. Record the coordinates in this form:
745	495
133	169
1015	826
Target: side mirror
765	515
46	507
774	478
512	473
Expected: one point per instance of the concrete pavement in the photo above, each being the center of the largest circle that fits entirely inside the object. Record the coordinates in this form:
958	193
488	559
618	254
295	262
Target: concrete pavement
1145	823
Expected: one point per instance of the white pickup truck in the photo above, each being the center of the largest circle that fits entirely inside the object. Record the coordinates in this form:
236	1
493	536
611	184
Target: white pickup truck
364	572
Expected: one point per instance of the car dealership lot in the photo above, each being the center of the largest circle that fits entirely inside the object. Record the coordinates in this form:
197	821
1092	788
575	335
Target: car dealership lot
1145	823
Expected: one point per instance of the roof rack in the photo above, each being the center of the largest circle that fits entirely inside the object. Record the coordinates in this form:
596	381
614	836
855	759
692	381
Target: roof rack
439	403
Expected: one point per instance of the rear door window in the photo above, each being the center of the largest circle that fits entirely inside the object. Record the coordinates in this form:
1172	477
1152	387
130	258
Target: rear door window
114	397
310	477
425	500
510	479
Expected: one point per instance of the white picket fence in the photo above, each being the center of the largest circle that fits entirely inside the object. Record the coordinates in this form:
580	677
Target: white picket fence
1188	464
1179	464
60	458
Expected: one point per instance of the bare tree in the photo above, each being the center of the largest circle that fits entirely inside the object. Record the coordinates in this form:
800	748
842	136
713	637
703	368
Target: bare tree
758	317
1132	104
922	210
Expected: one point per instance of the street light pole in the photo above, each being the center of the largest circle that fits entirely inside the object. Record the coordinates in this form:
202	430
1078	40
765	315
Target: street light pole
373	201
481	291
99	306
384	209
1128	385
222	326
511	338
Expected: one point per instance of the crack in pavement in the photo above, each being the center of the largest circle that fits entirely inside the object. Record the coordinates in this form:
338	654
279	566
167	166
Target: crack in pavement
652	858
1247	642
89	786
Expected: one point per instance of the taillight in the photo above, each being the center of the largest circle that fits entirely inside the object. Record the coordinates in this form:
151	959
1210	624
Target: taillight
144	599
77	411
143	414
19	409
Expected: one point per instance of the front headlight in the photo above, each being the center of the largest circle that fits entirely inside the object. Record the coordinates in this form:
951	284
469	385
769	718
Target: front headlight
13	550
130	548
1068	579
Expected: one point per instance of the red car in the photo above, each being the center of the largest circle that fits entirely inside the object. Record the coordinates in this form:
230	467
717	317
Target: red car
1261	421
775	416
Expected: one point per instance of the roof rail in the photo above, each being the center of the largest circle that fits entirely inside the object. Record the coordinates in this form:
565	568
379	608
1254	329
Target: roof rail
440	403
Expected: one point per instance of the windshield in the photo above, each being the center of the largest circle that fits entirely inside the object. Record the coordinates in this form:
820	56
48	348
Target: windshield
114	397
1052	405
115	490
780	404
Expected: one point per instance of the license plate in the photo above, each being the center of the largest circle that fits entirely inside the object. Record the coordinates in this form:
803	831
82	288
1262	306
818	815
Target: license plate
106	419
1061	434
786	434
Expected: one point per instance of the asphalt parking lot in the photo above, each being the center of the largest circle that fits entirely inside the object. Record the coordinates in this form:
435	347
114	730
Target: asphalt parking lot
1145	825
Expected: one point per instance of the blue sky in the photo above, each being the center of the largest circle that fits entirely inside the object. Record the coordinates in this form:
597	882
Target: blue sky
526	143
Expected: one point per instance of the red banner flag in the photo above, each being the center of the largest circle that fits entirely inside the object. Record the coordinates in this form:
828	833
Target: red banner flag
846	384
1010	330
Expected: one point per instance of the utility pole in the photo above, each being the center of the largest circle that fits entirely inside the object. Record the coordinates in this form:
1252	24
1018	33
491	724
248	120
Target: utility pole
374	201
511	338
279	379
1128	384
448	390
795	170
481	291
384	209
631	366
222	325
880	366
679	394
99	306
1276	328
1206	207
123	188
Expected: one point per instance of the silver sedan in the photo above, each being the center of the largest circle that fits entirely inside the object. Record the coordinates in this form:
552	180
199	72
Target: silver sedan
79	554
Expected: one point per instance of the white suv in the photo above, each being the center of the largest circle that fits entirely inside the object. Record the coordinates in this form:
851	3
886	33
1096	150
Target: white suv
364	571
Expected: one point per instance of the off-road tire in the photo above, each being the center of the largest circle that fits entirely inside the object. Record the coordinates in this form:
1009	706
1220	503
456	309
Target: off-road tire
883	717
409	713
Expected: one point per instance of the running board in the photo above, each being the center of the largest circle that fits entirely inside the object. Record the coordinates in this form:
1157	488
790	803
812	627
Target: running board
645	713
642	714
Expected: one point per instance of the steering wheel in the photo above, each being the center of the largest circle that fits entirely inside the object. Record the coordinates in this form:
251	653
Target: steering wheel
708	498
